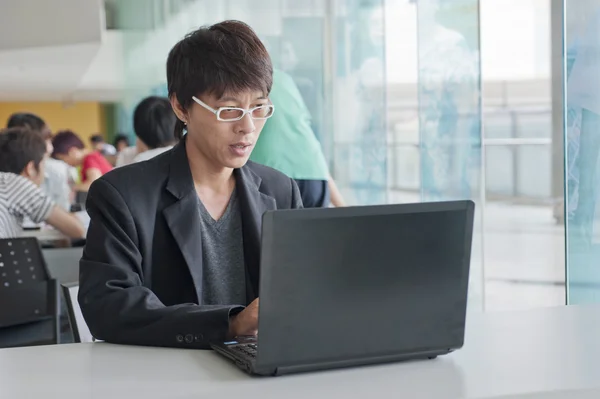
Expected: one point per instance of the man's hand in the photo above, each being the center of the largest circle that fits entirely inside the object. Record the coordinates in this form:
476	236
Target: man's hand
245	323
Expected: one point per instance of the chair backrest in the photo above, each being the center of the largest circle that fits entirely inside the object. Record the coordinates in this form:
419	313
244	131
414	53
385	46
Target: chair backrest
81	332
80	198
21	263
29	314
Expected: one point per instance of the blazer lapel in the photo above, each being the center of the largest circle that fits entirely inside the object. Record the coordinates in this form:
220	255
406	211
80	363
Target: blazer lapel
253	205
183	216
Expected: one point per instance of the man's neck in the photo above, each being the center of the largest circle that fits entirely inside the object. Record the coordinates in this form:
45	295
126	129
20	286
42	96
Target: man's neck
206	175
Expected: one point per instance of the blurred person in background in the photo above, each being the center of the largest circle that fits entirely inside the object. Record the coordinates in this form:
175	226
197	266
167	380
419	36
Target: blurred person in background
121	142
153	123
287	143
107	150
69	148
56	179
126	156
23	155
98	144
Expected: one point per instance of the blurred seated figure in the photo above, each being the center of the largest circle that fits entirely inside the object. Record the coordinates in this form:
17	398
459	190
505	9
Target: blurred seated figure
69	148
56	179
288	143
98	144
22	164
107	150
121	142
153	123
126	156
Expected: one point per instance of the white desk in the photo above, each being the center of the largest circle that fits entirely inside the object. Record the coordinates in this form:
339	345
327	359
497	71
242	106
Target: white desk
48	236
550	353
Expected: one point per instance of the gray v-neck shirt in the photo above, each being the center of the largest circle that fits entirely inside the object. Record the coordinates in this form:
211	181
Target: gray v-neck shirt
223	269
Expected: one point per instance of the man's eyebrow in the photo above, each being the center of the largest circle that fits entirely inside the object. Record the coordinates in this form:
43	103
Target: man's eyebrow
235	99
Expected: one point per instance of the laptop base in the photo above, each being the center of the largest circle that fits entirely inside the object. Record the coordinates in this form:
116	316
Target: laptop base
248	363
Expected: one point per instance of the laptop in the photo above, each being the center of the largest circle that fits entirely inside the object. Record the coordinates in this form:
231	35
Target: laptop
342	287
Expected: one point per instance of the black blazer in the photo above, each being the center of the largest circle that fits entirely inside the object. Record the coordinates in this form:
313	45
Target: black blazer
141	270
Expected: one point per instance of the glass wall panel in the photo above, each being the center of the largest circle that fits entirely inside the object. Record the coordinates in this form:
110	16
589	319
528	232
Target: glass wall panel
393	87
450	111
359	87
582	46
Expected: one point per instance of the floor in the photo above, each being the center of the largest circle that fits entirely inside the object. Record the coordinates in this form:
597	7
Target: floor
523	255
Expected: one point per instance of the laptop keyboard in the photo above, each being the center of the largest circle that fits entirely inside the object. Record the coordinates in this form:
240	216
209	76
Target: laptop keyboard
247	350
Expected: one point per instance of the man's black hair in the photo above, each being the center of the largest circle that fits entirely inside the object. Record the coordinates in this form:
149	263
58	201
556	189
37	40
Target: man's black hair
29	121
18	147
222	58
121	137
97	139
154	121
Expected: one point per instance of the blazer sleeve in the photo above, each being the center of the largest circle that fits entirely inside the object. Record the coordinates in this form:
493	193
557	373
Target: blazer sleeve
296	196
116	305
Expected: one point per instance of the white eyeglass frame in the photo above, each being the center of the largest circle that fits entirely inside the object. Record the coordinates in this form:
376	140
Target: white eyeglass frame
217	112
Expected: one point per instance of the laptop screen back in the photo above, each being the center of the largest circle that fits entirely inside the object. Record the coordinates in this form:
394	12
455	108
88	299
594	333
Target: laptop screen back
339	284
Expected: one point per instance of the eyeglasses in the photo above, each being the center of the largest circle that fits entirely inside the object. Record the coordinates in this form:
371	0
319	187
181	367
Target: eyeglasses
232	114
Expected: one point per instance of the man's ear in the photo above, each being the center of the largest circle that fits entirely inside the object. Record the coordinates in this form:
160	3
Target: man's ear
30	171
180	112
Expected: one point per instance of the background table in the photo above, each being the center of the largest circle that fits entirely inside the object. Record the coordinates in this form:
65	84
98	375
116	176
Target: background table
548	353
48	237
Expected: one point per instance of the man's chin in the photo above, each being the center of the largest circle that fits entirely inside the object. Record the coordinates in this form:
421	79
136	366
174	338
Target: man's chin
237	163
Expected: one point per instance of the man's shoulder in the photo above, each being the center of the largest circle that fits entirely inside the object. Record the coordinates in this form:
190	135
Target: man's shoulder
275	184
11	180
138	176
267	174
56	168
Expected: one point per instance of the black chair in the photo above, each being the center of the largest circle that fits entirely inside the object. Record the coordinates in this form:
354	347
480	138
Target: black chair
30	300
79	328
80	198
29	315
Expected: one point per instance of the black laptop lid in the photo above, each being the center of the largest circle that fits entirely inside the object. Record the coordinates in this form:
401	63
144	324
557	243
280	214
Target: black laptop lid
362	282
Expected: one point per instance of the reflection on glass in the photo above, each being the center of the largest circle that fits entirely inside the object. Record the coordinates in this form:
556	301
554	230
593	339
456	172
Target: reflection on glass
360	146
583	147
450	110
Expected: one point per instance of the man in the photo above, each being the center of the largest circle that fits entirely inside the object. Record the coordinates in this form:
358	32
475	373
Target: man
22	164
98	144
56	180
108	151
288	144
121	142
69	148
173	249
153	124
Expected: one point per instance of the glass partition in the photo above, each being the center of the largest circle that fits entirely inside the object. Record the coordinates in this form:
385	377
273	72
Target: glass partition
450	112
582	119
393	87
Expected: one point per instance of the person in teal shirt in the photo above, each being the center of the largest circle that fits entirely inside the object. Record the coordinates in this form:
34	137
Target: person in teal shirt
287	143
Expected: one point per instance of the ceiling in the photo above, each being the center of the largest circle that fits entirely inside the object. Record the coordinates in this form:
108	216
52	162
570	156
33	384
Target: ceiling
58	53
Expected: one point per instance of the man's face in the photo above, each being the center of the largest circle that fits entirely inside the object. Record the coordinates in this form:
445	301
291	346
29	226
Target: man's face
74	157
41	173
35	175
49	147
121	145
225	144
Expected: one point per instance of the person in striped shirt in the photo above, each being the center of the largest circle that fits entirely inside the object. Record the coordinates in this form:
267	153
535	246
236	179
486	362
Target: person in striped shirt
22	166
56	180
